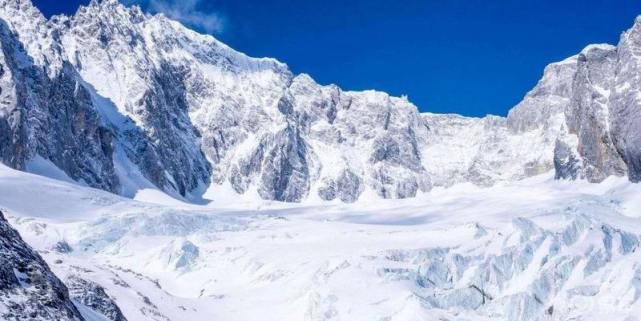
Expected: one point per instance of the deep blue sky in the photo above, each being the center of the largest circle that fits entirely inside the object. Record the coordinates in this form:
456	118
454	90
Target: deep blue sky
471	57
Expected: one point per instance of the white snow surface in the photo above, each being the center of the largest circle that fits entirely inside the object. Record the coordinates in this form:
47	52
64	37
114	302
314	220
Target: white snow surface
538	249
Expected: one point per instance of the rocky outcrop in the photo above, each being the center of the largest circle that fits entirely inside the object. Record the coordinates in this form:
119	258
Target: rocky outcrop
625	101
596	92
347	187
587	118
49	111
285	171
28	288
93	296
50	116
567	162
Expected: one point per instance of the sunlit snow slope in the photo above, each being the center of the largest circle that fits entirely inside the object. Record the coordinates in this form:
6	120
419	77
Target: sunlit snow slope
538	249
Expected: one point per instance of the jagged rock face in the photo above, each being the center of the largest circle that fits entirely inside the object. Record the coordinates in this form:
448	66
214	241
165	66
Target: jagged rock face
625	101
545	104
191	95
585	147
347	187
595	92
142	93
55	114
278	164
28	288
587	116
567	162
52	117
93	296
359	140
258	125
285	173
150	91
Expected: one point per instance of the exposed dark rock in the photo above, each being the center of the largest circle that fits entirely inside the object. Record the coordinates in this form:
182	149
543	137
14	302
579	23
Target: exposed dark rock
28	288
93	296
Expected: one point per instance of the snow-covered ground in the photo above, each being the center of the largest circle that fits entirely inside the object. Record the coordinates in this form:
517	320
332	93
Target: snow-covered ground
538	249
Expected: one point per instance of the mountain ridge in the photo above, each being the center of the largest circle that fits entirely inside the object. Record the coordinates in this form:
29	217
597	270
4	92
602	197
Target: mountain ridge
182	112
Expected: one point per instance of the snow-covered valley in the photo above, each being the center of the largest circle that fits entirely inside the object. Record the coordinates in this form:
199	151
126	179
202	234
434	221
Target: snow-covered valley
538	249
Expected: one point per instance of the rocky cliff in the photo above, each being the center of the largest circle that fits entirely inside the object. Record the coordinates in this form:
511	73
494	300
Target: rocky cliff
28	288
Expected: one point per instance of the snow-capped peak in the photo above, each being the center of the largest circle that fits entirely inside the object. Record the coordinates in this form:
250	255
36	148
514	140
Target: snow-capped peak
186	113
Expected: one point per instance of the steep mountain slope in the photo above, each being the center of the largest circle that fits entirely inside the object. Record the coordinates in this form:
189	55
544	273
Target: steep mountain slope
123	101
28	289
568	122
43	111
625	98
262	128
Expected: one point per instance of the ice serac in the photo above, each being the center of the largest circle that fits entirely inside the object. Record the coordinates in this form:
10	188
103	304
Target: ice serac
625	101
501	284
28	288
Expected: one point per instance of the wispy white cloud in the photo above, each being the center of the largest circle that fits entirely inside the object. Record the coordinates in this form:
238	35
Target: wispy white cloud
189	12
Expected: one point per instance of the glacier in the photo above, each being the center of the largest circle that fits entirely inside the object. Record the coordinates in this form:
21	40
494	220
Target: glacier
536	249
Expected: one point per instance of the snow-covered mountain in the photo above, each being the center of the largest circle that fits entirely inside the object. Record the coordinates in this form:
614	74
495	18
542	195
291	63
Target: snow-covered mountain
123	101
133	122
